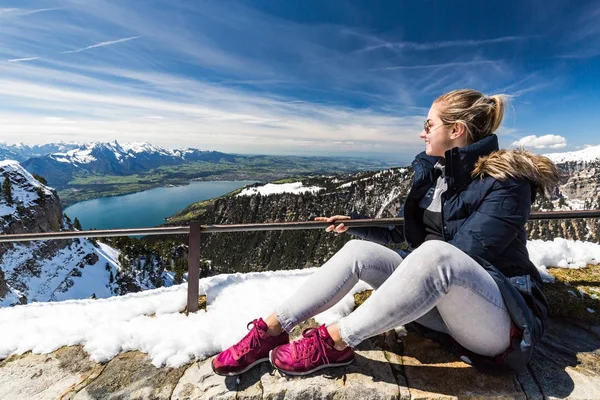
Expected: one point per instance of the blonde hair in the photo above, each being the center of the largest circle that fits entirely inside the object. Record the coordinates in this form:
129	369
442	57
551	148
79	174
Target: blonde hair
481	115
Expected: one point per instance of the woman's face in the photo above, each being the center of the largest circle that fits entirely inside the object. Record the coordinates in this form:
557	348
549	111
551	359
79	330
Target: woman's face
437	136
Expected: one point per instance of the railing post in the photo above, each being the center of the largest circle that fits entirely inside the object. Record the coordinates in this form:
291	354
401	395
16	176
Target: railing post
193	266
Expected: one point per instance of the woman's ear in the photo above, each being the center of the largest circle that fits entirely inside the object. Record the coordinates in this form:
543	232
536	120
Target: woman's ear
457	131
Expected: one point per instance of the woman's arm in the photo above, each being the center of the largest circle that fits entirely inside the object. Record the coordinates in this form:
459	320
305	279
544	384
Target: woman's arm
382	235
489	230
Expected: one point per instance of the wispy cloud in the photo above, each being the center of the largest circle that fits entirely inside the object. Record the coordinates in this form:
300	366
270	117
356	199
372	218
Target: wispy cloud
435	66
583	40
228	77
22	11
203	115
441	45
541	142
5	11
102	44
14	60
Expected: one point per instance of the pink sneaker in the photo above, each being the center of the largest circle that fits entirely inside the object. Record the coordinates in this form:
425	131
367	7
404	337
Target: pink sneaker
253	349
313	352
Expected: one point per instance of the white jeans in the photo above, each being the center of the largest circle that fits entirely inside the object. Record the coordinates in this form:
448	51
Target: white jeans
437	285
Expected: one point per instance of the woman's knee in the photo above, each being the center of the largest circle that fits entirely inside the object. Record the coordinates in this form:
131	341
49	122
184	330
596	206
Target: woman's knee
434	260
361	255
360	249
434	250
431	254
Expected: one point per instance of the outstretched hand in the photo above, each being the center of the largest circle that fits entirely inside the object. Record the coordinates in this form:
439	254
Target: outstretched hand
340	228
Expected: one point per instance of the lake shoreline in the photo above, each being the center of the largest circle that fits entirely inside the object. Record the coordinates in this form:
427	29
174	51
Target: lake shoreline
147	208
67	200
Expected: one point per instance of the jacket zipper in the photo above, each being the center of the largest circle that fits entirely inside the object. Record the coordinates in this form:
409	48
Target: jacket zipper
444	226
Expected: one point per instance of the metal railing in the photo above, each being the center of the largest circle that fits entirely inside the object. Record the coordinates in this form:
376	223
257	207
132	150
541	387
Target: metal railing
195	230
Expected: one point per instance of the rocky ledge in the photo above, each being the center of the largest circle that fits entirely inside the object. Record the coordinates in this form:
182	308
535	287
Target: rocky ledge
395	365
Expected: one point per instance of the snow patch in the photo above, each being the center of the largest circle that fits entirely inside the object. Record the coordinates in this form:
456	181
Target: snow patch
151	321
562	253
274	188
109	326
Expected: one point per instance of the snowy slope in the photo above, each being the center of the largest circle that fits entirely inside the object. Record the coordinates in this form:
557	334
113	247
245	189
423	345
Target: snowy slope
76	271
591	153
26	190
46	270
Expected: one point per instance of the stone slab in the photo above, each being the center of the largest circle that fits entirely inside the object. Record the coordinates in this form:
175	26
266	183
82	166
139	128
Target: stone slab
45	376
131	375
434	373
200	382
567	361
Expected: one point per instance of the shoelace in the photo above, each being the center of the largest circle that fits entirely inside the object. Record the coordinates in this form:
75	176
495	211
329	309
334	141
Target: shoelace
311	341
250	341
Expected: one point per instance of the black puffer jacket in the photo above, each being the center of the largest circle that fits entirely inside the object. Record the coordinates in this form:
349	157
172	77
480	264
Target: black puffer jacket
484	211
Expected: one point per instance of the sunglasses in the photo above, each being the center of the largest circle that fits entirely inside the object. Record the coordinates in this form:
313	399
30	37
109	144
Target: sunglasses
427	127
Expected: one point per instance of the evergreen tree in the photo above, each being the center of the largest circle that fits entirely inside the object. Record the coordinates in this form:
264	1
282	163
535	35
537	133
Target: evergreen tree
40	179
77	224
7	189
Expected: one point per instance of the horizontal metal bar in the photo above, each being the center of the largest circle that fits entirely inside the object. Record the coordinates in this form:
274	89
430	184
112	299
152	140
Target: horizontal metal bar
570	214
23	237
292	226
177	230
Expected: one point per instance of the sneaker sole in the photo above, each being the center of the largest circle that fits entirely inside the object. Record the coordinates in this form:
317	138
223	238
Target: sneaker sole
262	360
294	373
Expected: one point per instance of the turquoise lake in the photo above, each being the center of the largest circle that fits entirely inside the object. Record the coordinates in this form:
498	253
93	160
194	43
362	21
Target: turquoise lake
148	208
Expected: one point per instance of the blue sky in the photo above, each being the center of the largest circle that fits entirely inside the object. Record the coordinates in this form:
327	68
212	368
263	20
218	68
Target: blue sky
293	77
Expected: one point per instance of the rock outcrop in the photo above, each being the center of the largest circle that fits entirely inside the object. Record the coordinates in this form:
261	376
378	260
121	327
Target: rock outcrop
45	270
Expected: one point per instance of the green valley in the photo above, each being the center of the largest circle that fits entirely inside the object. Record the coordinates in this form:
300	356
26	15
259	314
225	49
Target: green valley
86	185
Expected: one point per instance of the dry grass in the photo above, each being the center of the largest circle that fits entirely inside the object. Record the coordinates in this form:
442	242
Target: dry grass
573	293
201	304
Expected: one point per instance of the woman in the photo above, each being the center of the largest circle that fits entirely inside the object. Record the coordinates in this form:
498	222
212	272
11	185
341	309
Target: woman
466	276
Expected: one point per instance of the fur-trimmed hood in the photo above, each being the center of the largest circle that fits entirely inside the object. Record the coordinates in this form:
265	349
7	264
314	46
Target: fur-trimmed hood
519	164
484	158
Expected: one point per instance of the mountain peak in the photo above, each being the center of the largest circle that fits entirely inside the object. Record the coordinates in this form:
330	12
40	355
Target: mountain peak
8	163
588	154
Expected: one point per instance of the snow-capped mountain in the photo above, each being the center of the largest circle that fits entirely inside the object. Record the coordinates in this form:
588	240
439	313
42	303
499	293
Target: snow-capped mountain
581	171
589	154
49	270
113	158
21	152
86	153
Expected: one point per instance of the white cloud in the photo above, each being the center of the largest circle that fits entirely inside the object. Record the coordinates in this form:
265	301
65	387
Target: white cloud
541	142
506	131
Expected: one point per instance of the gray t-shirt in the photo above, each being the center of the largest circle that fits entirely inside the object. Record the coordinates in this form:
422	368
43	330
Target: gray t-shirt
431	204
